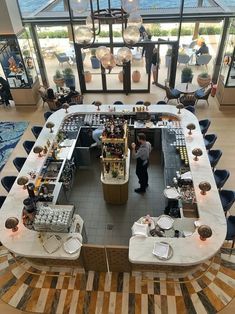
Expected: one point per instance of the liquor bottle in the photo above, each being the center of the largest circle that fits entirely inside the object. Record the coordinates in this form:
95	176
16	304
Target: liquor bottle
30	188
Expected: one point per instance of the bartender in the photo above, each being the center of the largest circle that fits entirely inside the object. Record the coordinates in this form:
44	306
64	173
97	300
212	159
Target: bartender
142	161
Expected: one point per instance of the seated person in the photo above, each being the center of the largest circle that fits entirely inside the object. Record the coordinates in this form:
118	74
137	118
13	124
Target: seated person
50	94
52	97
202	50
96	135
72	93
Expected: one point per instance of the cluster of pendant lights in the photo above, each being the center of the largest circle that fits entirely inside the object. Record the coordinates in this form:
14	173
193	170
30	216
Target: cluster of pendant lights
131	34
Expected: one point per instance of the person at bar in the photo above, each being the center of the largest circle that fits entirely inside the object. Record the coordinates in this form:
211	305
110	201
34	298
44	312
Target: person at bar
142	161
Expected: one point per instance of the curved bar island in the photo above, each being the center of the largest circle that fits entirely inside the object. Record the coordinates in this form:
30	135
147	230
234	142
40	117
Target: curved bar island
187	251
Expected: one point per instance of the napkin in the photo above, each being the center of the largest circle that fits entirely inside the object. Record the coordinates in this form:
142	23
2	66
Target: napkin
140	229
161	249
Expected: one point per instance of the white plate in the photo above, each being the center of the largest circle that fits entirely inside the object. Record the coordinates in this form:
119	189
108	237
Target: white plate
171	193
51	244
165	222
72	245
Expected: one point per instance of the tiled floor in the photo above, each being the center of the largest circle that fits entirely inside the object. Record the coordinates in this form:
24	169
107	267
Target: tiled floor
87	195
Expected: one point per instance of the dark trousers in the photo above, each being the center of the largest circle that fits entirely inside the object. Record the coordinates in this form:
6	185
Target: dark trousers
142	173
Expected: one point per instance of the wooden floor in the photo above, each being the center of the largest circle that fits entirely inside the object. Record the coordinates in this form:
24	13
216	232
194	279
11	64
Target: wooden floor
223	124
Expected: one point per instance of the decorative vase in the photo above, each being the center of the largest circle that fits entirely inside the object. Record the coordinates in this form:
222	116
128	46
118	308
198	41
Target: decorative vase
203	81
120	76
88	76
136	76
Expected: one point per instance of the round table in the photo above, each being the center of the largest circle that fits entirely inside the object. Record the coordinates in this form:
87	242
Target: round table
187	88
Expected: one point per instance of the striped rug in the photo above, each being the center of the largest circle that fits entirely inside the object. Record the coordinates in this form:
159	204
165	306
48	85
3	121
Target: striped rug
207	290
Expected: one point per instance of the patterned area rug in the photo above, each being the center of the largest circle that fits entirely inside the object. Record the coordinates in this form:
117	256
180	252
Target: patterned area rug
10	134
208	290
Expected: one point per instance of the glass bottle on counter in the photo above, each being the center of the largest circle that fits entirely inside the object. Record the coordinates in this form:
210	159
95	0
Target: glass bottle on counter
31	188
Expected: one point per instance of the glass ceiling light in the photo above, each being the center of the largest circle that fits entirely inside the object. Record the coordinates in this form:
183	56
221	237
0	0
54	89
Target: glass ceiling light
79	6
131	35
89	23
124	55
130	5
135	19
83	35
101	52
108	61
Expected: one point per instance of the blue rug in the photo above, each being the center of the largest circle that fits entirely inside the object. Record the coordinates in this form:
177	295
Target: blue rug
10	134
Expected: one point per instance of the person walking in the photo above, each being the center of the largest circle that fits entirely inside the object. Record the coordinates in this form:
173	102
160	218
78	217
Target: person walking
142	161
155	65
148	53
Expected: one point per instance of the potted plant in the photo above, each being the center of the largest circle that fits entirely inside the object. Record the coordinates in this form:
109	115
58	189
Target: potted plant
69	77
95	63
186	75
136	76
58	78
203	79
88	76
168	57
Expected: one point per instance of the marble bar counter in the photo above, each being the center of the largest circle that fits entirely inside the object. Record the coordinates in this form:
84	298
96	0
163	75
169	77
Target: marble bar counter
190	250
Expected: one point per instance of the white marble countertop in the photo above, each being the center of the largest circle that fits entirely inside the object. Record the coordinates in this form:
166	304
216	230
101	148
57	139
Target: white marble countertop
25	242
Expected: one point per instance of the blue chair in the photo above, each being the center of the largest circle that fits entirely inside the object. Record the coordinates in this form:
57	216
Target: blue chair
227	198
47	115
36	130
2	200
214	157
230	236
204	125
172	93
161	102
201	95
139	102
221	176
190	108
62	58
209	140
7	182
118	102
28	145
19	162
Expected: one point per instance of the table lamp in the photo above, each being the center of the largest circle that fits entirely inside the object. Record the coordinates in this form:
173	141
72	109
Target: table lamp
190	127
38	150
205	232
12	223
147	104
50	126
204	186
98	104
197	152
66	106
23	181
179	106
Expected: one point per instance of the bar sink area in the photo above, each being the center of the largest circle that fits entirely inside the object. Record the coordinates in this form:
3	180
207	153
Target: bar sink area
51	169
190	210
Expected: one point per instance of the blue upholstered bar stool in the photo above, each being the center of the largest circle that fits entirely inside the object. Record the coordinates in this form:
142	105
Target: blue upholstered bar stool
227	198
2	200
19	162
190	108
36	130
161	102
221	176
47	115
7	182
118	102
230	236
139	102
214	157
209	140
204	125
28	145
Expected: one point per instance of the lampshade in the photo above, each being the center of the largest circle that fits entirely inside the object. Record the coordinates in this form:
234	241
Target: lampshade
79	6
179	106
23	181
147	104
101	52
204	186
98	104
89	23
131	35
130	5
135	19
108	61
197	152
50	126
205	232
38	150
83	35
66	106
12	223
190	127
124	55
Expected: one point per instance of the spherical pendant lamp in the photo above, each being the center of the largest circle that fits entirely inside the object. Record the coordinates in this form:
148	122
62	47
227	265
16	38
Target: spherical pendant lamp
135	19
101	52
79	6
108	61
131	35
130	5
124	55
83	35
89	23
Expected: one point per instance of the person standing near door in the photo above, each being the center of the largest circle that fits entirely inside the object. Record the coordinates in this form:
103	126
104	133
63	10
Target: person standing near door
142	161
155	63
148	53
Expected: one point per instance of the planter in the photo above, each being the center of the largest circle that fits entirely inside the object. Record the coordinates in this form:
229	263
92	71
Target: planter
58	81
69	80
120	76
203	81
186	79
88	76
136	76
